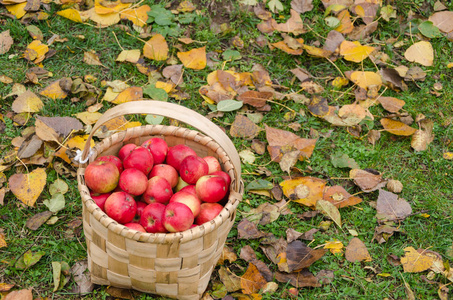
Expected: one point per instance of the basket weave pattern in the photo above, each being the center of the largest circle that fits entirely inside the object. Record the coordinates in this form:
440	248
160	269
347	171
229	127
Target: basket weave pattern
177	265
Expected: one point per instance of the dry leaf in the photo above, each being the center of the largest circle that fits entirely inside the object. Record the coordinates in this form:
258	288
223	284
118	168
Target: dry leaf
28	187
415	261
91	58
249	255
346	25
138	15
61	125
391	104
304	190
280	140
6	42
78	143
284	47
288	160
334	247
397	127
383	232
17	10
366	79
329	210
255	98
20	295
352	114
423	137
333	40
443	20
353	51
129	55
174	73
54	91
248	230
304	278
37	220
193	59
27	102
317	52
301	74
133	93
367	180
156	48
36	51
300	256
71	14
293	25
231	281
302	6
390	208
252	281
420	52
243	127
357	251
339	197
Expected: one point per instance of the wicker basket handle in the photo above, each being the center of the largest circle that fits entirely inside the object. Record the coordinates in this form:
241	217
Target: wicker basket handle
173	111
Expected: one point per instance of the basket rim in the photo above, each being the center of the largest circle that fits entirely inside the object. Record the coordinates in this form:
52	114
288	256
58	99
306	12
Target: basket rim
227	212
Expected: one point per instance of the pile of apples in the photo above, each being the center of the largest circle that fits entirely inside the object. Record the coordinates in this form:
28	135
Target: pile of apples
156	188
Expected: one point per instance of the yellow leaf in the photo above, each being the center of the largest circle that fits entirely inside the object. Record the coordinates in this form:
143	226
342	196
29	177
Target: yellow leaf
78	142
27	102
415	261
129	55
138	16
397	127
384	274
2	241
252	281
91	58
353	51
54	91
193	59
167	87
28	187
421	52
130	94
17	9
103	20
366	79
334	246
104	7
36	51
71	14
346	25
448	155
110	95
88	118
304	190
450	65
293	25
156	48
284	47
340	82
186	6
317	52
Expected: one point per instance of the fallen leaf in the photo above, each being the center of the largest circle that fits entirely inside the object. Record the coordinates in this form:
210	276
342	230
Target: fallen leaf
300	256
288	160
304	278
423	137
284	47
443	20
249	255
317	52
81	277
248	230
255	98
352	114
383	232
28	187
420	52
156	48
302	6
346	25
335	246
29	146
391	104
304	190
28	259
397	127
415	261
2	244
71	14
357	251
231	281
174	73
138	16
252	281
6	41
61	125
390	208
129	94
354	51
54	91
193	59
293	25
329	210
129	55
279	139
339	197
17	10
243	127
56	203
367	180
366	79
77	142
20	295
91	58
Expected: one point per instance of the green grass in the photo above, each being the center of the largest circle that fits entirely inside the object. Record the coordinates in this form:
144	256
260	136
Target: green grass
427	177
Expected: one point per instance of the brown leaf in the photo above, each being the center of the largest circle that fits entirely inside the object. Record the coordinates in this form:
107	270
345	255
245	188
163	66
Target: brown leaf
423	137
255	98
304	278
174	73
37	220
393	79
309	235
248	254
231	281
258	146
281	138
248	230
28	187
339	197
81	278
301	74
267	26
273	249
20	295
293	25
391	104
443	20
243	127
299	256
383	232
367	11
288	160
357	251
261	12
252	281
318	106
30	146
91	58
302	6
367	180
62	125
292	235
227	254
390	208
5	42
397	127
333	41
284	47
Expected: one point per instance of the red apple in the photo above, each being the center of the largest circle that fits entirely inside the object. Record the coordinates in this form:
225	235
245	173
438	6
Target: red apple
135	226
178	217
189	189
140	207
125	151
188	199
213	163
211	188
208	211
158	190
113	159
152	218
192	168
100	199
121	207
158	148
133	181
139	158
165	171
177	153
224	175
101	176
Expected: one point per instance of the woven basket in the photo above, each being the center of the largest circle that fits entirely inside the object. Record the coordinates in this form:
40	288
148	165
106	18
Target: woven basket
176	265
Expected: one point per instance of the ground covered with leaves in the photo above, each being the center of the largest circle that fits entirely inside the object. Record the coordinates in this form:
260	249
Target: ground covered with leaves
340	111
